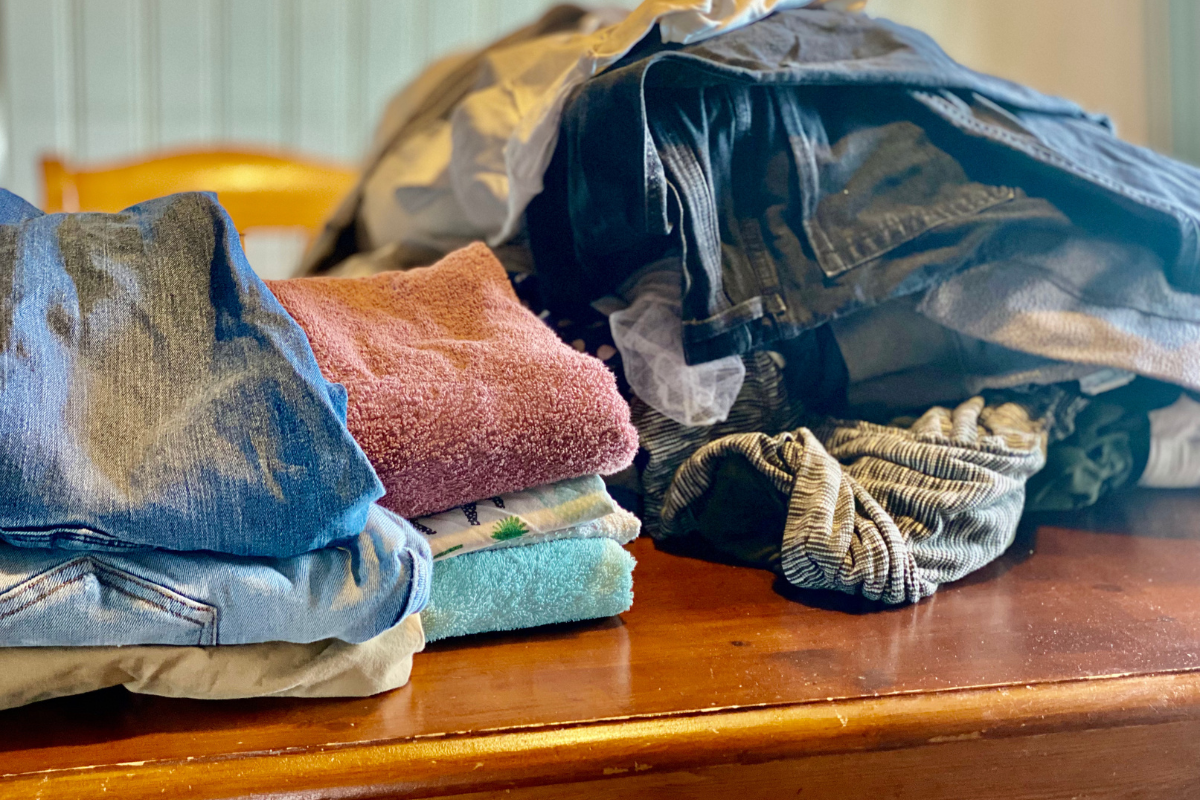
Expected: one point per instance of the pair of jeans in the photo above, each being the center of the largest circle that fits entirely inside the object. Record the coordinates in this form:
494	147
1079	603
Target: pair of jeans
816	163
155	394
353	592
1082	298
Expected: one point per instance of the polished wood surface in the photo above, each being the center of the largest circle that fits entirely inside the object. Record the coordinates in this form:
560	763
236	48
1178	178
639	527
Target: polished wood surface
1075	652
257	189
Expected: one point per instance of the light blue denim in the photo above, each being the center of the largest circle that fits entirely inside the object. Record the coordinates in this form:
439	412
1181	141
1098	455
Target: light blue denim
353	591
155	393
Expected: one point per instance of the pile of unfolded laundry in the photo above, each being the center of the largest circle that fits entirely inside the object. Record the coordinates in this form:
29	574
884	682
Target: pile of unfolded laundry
869	306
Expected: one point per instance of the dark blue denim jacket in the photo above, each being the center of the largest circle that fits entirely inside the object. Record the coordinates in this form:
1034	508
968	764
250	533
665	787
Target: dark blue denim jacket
818	162
153	392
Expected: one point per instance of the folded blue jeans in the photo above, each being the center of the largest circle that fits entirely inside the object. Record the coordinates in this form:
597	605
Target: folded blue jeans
353	591
156	394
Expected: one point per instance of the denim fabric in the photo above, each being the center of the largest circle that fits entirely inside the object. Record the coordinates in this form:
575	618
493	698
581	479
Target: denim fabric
156	394
898	360
353	592
817	163
1078	297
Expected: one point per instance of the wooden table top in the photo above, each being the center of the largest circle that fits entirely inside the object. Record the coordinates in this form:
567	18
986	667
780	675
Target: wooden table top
1092	627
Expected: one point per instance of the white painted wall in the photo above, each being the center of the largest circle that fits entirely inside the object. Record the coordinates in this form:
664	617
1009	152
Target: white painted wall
1095	52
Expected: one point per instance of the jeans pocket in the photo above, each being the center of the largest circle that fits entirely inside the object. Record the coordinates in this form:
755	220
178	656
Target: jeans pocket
66	537
877	187
87	602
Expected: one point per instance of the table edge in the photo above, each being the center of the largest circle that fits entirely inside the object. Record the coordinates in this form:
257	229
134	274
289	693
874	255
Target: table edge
592	750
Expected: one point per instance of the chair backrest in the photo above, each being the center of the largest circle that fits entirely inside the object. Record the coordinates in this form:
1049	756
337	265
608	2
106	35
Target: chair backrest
258	189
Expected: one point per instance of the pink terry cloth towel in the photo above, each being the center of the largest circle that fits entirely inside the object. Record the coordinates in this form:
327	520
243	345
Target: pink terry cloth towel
457	392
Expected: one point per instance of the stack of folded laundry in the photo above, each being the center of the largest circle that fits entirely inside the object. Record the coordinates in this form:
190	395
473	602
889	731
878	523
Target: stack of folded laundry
550	554
487	431
194	468
869	306
182	509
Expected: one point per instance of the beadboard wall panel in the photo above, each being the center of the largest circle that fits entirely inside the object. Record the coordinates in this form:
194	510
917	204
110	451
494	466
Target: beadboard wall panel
1183	53
181	77
38	111
103	79
325	86
96	80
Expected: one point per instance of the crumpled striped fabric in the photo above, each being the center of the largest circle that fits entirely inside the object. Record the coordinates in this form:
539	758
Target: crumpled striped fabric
883	511
763	404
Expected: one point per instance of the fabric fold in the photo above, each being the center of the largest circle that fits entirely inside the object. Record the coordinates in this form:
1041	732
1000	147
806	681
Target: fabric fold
155	394
352	591
517	517
764	404
524	587
883	511
1086	300
329	668
456	391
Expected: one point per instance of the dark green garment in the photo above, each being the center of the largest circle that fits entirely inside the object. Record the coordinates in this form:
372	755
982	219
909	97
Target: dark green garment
1107	450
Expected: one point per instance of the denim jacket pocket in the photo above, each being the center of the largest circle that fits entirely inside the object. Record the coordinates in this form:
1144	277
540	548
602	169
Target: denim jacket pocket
84	601
876	188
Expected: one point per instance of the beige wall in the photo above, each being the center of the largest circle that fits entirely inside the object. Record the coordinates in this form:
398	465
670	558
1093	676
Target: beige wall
1091	51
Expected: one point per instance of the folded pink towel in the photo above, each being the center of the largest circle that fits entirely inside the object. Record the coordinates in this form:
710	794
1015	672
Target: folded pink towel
456	391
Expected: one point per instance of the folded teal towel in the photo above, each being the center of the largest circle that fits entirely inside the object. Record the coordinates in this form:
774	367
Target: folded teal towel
522	587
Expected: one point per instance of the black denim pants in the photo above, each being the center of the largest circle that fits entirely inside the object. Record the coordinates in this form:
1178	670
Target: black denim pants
816	163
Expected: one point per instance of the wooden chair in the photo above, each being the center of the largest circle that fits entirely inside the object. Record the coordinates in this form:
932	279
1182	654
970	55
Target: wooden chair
258	189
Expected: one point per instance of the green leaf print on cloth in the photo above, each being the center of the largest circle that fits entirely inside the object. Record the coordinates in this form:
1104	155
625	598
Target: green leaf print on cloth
509	528
516	518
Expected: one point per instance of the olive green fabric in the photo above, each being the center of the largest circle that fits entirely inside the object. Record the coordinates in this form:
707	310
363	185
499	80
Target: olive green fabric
1107	450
